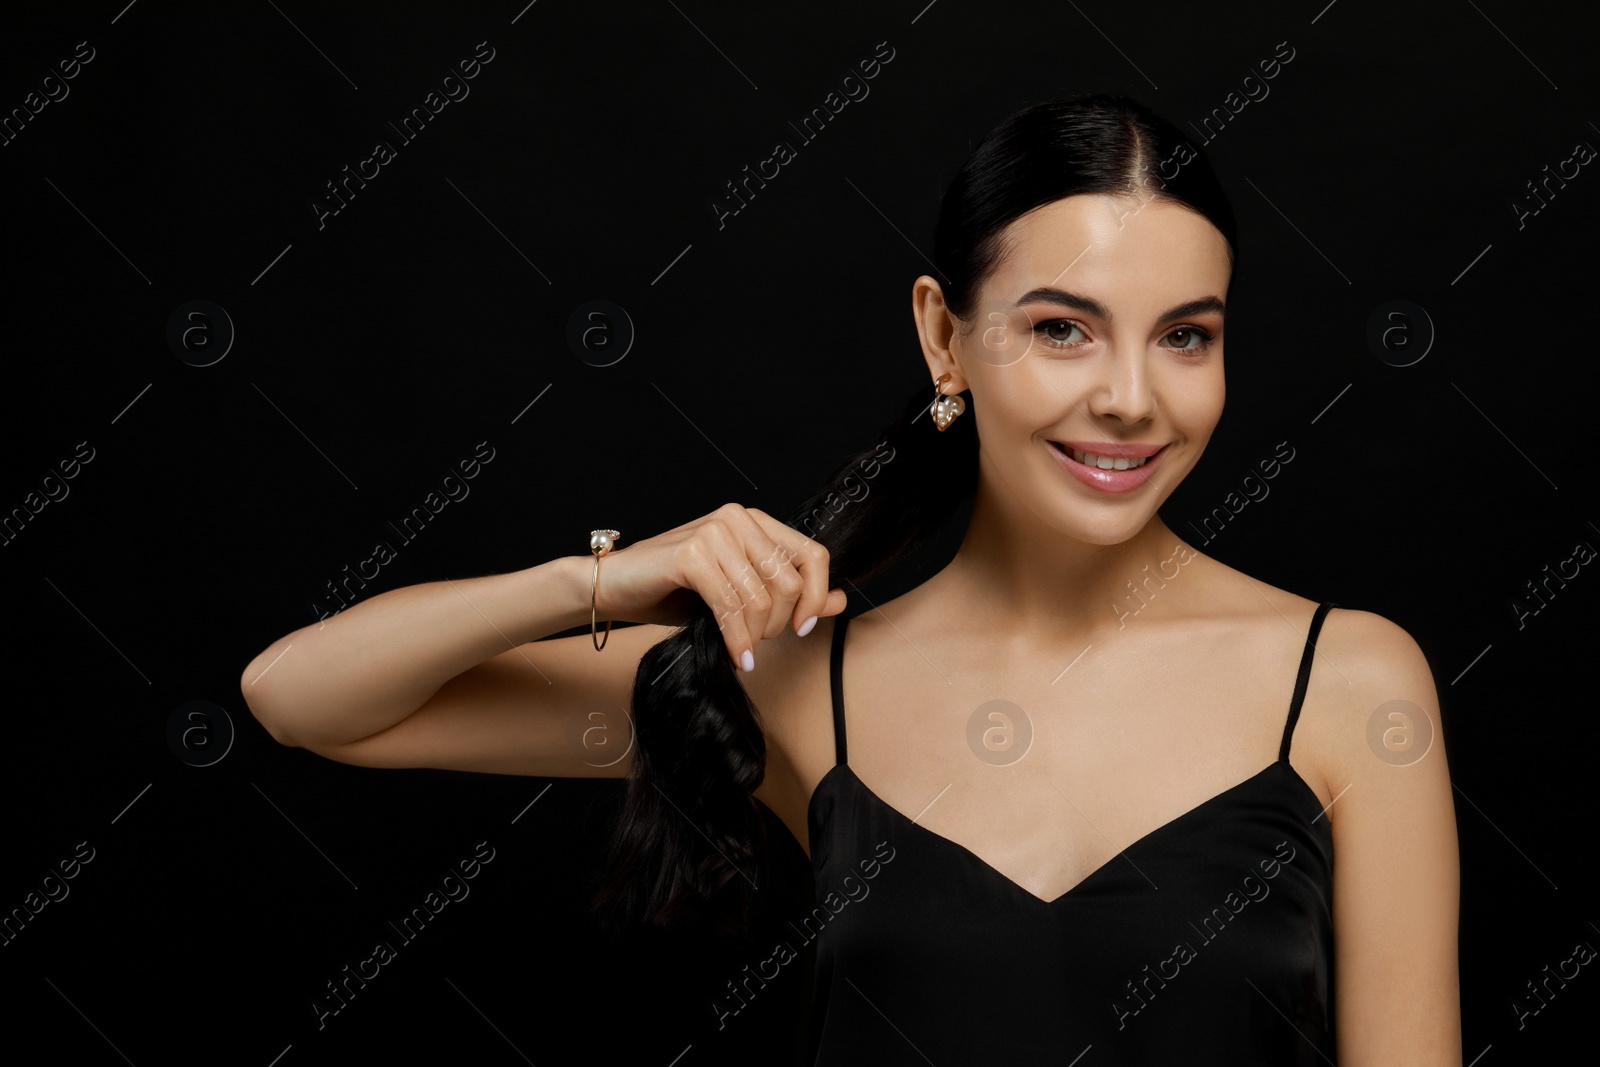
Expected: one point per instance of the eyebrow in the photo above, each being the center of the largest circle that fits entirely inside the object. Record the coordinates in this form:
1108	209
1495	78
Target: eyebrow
1051	295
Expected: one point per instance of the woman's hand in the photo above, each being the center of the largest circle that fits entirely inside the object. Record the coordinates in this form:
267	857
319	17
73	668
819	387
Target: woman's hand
757	573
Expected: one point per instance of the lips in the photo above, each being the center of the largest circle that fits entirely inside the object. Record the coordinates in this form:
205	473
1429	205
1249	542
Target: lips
1109	481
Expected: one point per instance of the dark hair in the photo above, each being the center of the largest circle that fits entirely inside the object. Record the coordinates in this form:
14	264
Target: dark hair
690	836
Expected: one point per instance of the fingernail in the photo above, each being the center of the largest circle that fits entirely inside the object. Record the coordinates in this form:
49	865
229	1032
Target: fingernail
747	660
806	626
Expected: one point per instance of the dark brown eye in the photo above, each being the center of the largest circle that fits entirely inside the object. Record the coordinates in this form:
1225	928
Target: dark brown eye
1189	339
1057	331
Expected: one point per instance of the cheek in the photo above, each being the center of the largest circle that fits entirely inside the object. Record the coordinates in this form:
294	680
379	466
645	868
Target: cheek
1194	401
1019	399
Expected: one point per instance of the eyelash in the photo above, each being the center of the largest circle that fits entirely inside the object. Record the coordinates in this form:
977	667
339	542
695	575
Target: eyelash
1206	339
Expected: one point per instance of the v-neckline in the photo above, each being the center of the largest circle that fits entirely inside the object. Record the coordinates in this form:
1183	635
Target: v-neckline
1093	875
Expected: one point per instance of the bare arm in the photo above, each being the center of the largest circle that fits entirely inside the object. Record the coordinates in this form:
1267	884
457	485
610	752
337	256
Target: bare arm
1396	895
453	674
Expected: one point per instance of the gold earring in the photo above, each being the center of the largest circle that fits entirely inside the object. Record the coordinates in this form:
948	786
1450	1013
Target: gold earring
945	408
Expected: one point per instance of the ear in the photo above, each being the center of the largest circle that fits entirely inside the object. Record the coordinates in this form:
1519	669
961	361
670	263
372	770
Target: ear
937	328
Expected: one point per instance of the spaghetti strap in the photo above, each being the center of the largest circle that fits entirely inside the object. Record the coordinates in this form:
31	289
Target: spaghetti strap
836	676
1303	677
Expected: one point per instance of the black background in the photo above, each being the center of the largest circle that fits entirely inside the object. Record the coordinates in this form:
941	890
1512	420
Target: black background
375	351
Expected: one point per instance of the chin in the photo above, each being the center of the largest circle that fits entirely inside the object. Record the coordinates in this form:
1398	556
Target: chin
1081	526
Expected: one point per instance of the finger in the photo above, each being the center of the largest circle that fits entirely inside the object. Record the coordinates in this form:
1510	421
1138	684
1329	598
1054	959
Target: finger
735	616
704	572
771	584
733	536
811	560
784	585
740	542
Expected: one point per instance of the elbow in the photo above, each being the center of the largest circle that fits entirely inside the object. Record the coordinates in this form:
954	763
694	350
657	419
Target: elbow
277	732
255	698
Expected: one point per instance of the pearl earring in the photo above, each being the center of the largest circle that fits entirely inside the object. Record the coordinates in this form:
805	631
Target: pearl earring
945	408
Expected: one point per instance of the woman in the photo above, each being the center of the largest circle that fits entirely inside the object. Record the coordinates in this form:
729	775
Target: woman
1039	791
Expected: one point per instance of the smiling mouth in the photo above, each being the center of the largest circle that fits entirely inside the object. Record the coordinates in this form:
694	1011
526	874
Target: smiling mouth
1106	463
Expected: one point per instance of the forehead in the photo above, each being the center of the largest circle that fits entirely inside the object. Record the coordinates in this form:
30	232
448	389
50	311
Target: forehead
1129	253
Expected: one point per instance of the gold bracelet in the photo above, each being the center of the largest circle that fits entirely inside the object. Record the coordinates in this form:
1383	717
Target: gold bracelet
600	542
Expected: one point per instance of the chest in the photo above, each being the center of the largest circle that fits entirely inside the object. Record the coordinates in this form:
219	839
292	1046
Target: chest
1042	769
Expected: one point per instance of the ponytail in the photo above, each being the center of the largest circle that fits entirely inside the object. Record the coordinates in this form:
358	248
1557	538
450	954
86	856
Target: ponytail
690	835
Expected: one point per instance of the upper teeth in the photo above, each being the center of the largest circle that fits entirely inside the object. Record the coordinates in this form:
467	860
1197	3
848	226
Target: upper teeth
1106	462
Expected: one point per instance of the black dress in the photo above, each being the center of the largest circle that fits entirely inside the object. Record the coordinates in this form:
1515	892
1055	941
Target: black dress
1208	940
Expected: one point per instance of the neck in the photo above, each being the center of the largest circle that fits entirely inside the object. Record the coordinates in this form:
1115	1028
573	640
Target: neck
1022	578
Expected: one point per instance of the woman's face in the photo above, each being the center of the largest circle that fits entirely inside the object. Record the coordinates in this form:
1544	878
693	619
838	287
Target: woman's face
1100	331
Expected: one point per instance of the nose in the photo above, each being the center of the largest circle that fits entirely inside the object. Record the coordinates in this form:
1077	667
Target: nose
1122	388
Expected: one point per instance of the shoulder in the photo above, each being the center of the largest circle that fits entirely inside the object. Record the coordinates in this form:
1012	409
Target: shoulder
788	671
793	700
1372	715
1358	656
1370	704
1371	671
1377	649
